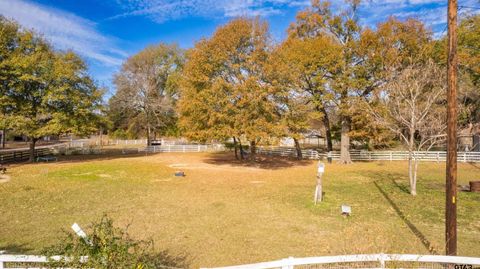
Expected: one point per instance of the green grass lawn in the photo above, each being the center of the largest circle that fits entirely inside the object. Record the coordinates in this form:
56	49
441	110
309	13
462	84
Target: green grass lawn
225	213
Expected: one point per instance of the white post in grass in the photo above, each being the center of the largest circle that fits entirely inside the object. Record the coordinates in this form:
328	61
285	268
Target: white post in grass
76	228
318	188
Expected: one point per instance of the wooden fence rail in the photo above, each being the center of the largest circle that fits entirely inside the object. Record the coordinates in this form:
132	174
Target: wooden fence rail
184	148
22	155
346	261
28	261
288	152
433	156
364	261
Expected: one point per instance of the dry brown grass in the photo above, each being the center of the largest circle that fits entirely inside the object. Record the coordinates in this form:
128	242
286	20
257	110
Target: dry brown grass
226	212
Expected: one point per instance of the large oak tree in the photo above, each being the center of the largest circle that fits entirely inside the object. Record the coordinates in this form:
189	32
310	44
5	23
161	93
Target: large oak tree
147	90
364	57
224	92
43	91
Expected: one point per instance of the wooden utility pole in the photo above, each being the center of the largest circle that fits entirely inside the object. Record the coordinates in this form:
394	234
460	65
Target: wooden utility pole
451	178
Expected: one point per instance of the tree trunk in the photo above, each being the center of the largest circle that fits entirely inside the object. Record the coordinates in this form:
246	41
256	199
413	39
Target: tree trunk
410	169
241	150
235	147
298	148
253	148
413	190
411	160
345	141
4	138
149	142
328	132
33	141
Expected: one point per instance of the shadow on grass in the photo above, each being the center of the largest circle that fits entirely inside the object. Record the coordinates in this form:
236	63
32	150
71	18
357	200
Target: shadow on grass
475	165
109	154
218	158
15	249
389	176
260	161
428	245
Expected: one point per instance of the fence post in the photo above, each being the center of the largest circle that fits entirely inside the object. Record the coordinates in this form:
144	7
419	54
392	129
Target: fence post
183	148
391	156
464	157
198	147
382	260
285	264
438	156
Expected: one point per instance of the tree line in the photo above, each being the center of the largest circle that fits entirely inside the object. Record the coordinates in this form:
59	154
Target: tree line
373	84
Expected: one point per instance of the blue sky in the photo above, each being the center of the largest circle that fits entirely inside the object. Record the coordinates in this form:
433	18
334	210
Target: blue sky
106	32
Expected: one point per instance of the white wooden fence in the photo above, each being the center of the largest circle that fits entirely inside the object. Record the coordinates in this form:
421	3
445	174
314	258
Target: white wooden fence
288	152
364	261
357	155
184	148
347	261
433	156
27	261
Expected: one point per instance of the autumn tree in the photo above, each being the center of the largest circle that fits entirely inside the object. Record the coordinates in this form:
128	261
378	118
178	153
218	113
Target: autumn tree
413	107
469	68
363	59
292	104
224	93
344	30
147	89
9	38
44	92
299	68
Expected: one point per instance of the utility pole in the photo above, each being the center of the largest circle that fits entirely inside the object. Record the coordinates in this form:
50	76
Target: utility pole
451	178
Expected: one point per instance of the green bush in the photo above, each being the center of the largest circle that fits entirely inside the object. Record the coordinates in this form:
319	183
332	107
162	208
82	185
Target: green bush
120	134
231	146
109	247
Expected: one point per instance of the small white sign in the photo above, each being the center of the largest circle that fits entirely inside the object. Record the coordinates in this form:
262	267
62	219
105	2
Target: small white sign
346	210
321	168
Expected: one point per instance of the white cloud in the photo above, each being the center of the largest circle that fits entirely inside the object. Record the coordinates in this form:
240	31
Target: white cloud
432	12
164	10
64	30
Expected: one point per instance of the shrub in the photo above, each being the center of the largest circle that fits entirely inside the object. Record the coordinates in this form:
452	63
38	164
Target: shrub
107	246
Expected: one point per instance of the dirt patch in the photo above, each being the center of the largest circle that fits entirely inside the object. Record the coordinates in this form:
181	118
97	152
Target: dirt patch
200	165
4	178
176	165
82	174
